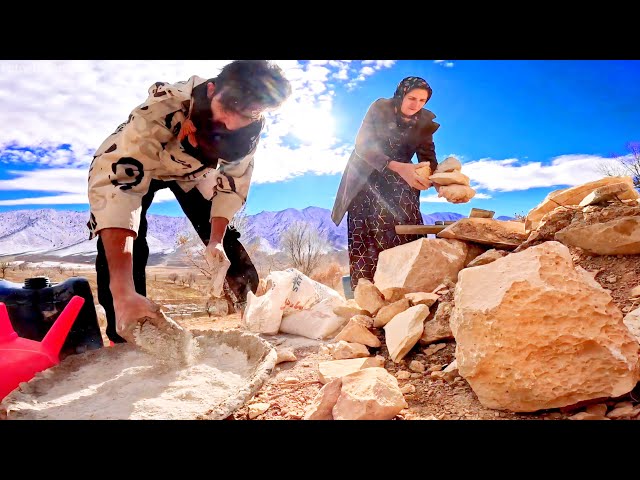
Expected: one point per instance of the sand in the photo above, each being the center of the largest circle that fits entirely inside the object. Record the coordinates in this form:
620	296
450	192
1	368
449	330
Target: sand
125	382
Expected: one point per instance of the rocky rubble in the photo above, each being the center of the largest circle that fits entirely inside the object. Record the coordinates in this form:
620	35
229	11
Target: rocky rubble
542	324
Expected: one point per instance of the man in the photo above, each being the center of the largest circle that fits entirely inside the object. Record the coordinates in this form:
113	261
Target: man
197	138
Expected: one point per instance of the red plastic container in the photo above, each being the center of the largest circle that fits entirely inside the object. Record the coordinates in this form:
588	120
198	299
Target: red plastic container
21	359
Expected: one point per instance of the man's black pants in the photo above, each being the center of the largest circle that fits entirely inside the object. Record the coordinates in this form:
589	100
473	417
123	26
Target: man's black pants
242	275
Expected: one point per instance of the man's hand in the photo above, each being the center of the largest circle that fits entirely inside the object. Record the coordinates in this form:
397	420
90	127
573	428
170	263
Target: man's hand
408	172
215	253
219	264
132	308
129	306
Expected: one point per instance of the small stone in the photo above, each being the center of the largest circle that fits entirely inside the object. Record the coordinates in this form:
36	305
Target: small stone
256	409
285	356
416	366
408	389
599	409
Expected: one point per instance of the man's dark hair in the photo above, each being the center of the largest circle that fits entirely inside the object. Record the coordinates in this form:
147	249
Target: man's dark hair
247	84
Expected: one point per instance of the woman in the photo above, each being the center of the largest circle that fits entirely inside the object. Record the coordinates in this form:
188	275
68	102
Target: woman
380	187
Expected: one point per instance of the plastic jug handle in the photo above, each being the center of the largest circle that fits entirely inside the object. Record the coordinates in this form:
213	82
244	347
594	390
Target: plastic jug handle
7	332
57	334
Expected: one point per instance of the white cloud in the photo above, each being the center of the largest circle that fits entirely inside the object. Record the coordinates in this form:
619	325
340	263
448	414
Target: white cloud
67	199
64	180
278	163
369	68
45	155
511	175
70	182
366	71
433	198
379	64
57	113
341	74
444	63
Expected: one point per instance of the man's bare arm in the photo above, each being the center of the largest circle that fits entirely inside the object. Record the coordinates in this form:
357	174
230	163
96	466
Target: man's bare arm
130	307
218	227
118	247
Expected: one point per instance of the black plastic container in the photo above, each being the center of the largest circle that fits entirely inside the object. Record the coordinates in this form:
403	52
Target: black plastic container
34	306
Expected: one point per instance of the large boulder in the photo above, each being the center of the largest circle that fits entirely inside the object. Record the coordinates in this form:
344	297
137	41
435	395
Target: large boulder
533	333
421	265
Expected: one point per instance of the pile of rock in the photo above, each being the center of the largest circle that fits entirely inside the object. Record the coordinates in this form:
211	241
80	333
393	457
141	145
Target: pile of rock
533	330
600	217
356	386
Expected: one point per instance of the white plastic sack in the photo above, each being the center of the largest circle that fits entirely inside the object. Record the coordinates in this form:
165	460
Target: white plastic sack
306	305
305	293
263	314
319	322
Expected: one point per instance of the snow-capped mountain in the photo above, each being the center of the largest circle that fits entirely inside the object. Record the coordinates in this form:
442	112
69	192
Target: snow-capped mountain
63	234
49	233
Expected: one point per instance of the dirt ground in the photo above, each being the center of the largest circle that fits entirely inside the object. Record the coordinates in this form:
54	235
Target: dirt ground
178	298
294	384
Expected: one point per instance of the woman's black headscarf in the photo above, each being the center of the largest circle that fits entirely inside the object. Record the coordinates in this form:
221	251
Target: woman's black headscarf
404	87
404	124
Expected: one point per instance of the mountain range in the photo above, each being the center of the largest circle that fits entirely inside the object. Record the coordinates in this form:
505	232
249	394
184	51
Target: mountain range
49	234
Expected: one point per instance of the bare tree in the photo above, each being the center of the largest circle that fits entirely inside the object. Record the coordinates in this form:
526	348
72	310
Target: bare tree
173	277
624	166
265	262
190	278
193	249
519	217
240	222
303	246
275	262
5	266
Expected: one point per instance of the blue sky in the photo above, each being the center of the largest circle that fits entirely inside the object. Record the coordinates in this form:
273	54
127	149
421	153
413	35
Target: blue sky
521	128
